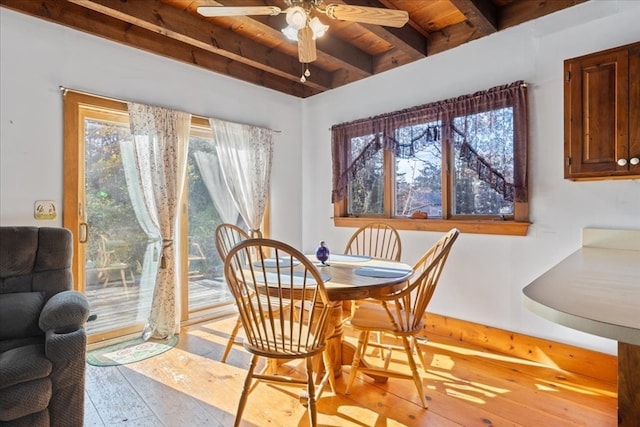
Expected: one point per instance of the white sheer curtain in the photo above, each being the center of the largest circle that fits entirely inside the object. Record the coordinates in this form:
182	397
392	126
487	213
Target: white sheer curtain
245	154
211	174
160	143
147	218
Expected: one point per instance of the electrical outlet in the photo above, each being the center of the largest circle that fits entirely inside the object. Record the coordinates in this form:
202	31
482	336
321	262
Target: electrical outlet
45	209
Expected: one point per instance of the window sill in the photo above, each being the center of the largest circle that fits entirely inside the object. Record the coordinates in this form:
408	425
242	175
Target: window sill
506	228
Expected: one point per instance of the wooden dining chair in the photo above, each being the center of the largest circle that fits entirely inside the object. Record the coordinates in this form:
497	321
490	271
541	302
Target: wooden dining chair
110	260
377	240
401	315
273	330
227	236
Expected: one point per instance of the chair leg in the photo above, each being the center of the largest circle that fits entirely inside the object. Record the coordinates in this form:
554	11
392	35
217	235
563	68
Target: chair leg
328	366
232	339
418	349
246	389
123	276
359	353
414	371
313	416
323	369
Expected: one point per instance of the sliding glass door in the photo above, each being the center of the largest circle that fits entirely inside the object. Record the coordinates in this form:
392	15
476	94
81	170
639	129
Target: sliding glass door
207	290
115	263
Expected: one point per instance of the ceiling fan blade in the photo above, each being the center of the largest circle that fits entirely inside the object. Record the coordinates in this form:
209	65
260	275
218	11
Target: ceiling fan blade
368	15
209	11
306	46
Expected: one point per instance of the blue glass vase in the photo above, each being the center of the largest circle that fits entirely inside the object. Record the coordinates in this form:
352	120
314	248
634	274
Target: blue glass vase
322	253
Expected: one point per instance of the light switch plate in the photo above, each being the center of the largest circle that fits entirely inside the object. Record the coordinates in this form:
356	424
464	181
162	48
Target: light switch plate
45	209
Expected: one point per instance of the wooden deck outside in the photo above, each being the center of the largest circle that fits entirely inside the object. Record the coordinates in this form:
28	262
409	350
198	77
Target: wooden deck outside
466	385
117	306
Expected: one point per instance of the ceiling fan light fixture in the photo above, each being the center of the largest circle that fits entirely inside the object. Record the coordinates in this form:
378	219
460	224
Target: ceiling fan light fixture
318	28
290	33
296	17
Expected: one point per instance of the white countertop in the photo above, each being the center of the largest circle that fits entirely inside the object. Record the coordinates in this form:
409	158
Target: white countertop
595	290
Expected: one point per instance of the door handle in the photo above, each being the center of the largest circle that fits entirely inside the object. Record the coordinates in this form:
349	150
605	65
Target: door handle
83	232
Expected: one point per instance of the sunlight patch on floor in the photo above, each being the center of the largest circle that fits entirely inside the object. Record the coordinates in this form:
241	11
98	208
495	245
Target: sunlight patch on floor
442	361
543	387
212	375
219	385
469	387
215	338
450	380
459	395
487	355
591	391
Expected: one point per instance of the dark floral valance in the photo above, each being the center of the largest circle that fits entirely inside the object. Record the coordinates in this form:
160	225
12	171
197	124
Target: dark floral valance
436	122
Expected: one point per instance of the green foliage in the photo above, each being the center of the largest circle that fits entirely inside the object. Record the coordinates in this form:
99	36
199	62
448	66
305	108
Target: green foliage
419	165
203	220
110	212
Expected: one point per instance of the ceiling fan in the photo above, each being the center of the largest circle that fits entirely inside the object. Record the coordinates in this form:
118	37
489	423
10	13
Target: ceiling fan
304	27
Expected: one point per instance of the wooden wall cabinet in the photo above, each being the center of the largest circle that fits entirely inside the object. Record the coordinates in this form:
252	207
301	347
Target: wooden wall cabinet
602	115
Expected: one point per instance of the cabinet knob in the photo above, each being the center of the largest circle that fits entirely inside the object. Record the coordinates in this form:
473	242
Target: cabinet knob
622	162
634	161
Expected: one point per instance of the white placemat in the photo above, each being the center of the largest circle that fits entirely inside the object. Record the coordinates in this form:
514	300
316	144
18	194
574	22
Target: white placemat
384	272
273	262
348	258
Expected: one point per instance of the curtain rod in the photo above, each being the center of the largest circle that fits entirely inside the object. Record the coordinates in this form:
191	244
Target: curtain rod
64	91
523	85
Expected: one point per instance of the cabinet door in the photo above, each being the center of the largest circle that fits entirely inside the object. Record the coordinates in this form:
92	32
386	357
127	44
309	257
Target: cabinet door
596	112
634	110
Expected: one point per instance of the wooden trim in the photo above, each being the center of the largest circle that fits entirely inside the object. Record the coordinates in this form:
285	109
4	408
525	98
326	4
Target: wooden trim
114	336
513	225
628	384
75	108
507	228
564	357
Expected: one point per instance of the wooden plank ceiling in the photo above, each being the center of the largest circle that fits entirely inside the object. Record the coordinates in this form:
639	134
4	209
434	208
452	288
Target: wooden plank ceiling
253	49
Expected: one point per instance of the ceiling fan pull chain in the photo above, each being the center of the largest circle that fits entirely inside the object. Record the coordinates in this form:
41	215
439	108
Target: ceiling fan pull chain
305	73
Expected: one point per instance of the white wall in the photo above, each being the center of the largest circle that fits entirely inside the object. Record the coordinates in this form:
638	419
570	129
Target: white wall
485	275
36	57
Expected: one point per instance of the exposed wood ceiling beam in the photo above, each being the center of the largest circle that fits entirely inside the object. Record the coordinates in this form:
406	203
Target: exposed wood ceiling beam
451	37
405	39
82	19
481	14
518	12
253	49
172	23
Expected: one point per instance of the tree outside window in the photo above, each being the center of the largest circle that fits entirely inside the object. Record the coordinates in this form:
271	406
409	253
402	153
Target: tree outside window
462	159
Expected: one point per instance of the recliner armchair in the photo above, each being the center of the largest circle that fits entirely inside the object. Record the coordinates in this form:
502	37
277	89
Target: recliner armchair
42	335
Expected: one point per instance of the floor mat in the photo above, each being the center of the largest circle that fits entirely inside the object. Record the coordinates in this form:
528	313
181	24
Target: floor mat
129	351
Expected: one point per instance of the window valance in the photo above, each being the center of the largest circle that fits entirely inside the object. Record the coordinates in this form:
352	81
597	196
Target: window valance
451	121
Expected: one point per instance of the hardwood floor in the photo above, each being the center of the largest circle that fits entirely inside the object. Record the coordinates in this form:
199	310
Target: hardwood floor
466	386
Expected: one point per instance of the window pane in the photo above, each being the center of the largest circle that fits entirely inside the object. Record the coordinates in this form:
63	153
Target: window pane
207	286
418	167
116	243
366	189
483	169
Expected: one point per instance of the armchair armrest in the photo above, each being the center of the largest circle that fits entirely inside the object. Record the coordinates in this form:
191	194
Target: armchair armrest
63	318
64	312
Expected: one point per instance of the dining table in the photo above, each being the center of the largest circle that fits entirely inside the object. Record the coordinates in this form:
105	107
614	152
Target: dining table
353	277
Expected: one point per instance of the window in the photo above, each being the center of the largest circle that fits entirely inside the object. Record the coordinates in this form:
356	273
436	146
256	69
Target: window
460	162
110	246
